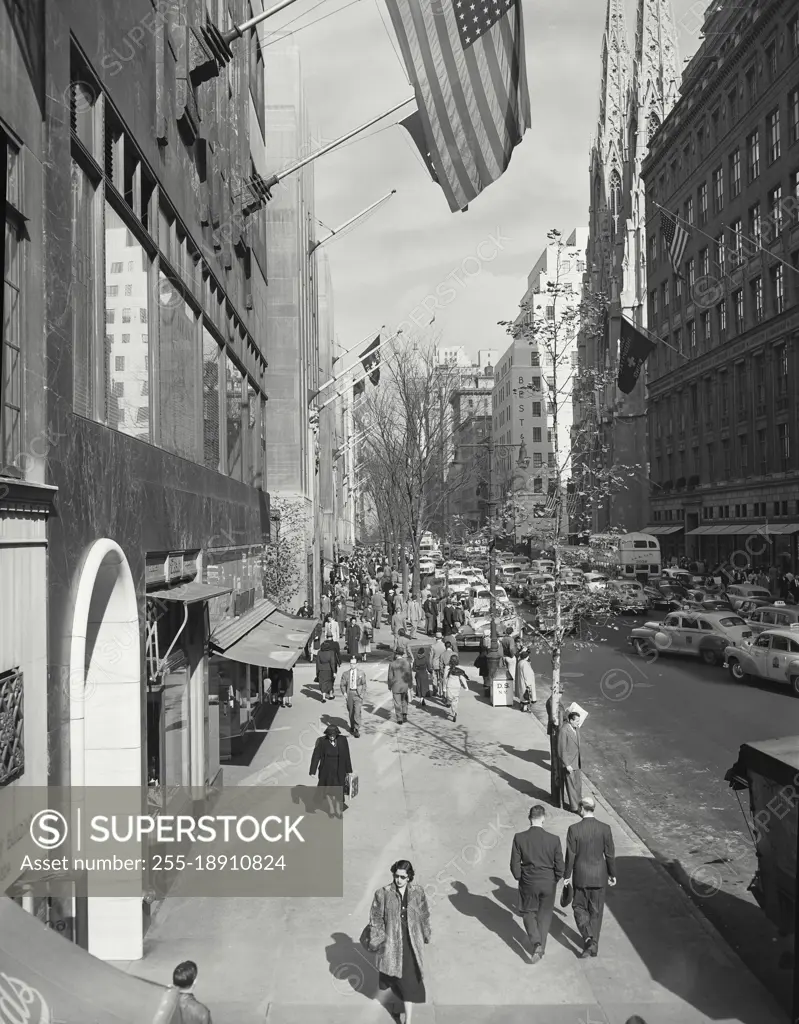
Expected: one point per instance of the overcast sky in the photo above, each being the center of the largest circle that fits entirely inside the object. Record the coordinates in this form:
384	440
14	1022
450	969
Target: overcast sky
385	269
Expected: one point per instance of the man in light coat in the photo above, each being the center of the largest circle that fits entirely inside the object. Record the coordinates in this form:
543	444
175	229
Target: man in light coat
400	682
352	683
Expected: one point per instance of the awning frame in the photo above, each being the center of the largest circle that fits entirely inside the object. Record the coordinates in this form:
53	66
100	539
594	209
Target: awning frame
192	592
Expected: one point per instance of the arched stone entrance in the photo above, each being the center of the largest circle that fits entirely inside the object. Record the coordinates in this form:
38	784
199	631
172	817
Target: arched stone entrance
106	716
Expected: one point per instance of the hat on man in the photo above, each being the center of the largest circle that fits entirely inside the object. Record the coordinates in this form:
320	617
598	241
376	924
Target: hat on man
439	634
353	660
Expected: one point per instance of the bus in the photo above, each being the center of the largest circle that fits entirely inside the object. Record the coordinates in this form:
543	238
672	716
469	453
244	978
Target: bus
630	554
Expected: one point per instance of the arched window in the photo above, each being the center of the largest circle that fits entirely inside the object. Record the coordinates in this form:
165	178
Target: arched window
652	126
615	200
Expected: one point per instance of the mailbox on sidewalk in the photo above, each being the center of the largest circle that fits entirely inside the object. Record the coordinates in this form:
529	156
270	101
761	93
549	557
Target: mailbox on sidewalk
502	689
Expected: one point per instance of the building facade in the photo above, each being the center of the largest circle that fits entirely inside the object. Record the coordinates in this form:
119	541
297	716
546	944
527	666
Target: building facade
637	91
722	414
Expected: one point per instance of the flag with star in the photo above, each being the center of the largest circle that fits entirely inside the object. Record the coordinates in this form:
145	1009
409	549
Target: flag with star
634	348
676	239
466	62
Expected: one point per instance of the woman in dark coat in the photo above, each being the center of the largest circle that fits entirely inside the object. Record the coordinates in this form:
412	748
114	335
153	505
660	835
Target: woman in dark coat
327	664
331	759
354	638
399	928
421	668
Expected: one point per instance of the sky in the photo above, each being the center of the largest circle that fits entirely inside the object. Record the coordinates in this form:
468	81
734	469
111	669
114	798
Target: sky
387	269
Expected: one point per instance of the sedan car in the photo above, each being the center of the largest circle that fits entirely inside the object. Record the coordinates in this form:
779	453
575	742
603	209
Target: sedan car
666	595
426	566
740	592
627	596
458	585
476	627
774	655
769	616
707	635
596	582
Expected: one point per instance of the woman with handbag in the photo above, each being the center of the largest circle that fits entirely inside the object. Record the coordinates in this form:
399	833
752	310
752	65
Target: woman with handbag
331	760
399	927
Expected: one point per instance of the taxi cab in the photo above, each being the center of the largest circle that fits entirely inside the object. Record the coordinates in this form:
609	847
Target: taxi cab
778	615
708	635
774	655
740	592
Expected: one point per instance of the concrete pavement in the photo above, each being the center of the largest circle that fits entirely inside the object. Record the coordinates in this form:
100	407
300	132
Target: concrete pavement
448	797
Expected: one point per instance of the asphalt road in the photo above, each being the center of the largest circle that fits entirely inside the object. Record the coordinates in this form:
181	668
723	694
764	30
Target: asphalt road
657	742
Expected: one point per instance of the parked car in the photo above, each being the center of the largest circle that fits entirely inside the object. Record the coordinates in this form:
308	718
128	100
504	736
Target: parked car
668	596
681	576
627	596
706	635
778	615
476	627
596	582
426	566
458	585
535	586
709	601
481	600
773	655
751	604
740	592
542	565
507	574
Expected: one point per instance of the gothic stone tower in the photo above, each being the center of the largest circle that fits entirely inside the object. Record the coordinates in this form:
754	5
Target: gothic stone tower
637	91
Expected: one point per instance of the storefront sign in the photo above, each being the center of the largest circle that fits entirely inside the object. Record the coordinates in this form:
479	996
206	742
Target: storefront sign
174	568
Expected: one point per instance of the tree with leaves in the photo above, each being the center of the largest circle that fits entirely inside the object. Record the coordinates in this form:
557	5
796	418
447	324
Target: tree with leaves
283	564
554	338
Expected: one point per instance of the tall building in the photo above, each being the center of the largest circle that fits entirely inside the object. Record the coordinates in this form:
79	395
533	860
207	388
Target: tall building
470	418
295	450
637	91
722	383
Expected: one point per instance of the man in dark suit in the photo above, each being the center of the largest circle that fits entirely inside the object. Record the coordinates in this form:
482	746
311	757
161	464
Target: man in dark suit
591	857
536	862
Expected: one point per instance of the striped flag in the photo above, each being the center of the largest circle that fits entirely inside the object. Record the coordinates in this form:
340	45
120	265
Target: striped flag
466	61
676	239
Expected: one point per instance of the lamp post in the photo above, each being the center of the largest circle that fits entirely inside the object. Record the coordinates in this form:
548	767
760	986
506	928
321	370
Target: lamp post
504	451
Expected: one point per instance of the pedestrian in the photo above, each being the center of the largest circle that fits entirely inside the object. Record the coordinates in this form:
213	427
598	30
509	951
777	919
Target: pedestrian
429	608
366	637
399	927
314	642
331	759
397	622
353	688
509	652
415	614
325	604
438	651
400	604
403	644
400	681
353	638
536	862
378	604
591	858
391	604
341	615
482	665
184	978
524	683
327	664
571	762
455	680
331	629
422	673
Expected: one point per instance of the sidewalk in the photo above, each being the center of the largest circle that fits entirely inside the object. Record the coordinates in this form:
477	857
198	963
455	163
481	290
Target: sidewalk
448	797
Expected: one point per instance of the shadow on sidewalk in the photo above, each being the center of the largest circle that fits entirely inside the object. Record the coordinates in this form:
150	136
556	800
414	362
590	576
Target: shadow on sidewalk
679	958
508	896
251	744
313	692
310	797
540	757
352	969
494	917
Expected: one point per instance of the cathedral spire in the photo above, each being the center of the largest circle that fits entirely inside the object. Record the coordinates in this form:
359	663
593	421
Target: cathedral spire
656	62
615	84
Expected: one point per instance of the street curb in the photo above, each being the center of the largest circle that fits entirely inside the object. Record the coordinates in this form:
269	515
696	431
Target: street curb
680	879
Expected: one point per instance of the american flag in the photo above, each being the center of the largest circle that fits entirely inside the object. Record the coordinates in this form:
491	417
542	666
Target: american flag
676	239
466	61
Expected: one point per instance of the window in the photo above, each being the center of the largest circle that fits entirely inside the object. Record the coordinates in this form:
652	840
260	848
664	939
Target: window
705	319
784	445
755	224
702	202
119	364
781	369
721	317
793	34
721	249
551	460
535	359
550	312
735	173
726	458
689	211
793	115
536	383
128	287
778	288
742	390
738	309
538	485
12	452
718	190
678	339
771	61
233	416
691	329
737	240
120	412
751	86
538	460
116	268
691	274
536	408
775	206
753	155
653	250
112	291
125	339
760	386
536	435
756	287
178	365
773	135
653	304
704	263
743	454
666	292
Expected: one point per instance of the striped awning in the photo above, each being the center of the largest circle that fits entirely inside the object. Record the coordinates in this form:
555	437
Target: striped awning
231	631
660	530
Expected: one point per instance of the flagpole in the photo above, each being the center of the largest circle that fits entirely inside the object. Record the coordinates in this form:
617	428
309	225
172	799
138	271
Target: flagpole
660	341
313	246
344	373
358	344
267	185
340	394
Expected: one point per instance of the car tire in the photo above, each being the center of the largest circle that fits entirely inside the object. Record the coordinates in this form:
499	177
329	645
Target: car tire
643	648
709	656
795	685
737	672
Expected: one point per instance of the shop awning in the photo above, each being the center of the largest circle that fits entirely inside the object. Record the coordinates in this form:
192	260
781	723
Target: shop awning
190	593
231	631
266	645
778	528
50	978
661	530
704	530
296	629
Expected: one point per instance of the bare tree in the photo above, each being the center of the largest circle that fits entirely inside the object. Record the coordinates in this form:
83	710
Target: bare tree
554	337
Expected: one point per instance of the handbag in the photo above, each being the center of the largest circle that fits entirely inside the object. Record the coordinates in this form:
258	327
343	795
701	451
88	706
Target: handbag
567	895
351	785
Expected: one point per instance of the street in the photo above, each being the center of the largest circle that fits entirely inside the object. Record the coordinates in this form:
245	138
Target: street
658	741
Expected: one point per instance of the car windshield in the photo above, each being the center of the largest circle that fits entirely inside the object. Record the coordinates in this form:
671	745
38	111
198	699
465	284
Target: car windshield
732	620
457	580
484	593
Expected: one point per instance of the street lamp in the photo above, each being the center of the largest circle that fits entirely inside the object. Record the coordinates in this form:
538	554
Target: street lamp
523	462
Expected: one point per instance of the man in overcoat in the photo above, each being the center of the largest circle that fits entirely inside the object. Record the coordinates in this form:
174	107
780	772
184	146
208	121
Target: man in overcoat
571	762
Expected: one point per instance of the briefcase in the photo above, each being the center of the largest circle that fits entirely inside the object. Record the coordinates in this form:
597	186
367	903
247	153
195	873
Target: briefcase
567	895
351	785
